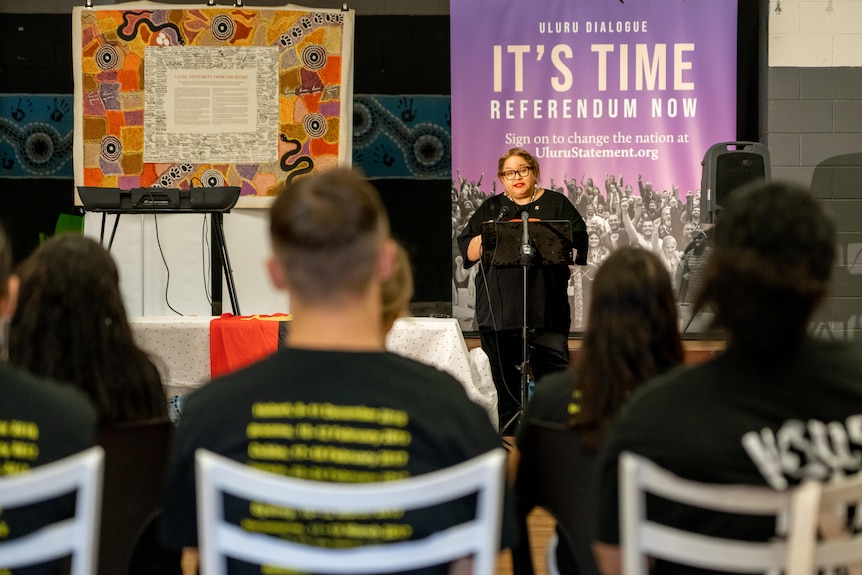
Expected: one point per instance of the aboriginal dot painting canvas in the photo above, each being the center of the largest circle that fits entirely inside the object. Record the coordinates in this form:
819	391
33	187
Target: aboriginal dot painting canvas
194	96
36	136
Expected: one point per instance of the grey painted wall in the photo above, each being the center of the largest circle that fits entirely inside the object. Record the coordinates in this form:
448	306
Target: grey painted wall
814	135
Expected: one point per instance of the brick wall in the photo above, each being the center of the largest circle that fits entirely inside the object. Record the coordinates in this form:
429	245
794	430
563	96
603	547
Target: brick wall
813	128
815	138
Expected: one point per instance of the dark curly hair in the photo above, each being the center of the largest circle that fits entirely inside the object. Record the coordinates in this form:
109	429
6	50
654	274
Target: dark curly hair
773	247
70	325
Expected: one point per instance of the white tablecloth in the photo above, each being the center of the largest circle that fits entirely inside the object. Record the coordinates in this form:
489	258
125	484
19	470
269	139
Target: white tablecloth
439	341
182	346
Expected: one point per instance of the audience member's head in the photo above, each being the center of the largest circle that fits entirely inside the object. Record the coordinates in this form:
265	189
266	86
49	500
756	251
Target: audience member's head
70	325
327	233
397	290
772	252
632	335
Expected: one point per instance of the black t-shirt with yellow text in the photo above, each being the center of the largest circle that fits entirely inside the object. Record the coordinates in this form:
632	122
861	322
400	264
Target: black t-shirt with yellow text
328	416
40	422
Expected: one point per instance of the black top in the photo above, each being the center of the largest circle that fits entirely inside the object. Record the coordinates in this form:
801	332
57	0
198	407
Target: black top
500	290
332	416
738	419
40	422
567	482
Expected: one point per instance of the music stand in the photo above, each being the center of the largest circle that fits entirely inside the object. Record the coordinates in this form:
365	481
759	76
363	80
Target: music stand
523	243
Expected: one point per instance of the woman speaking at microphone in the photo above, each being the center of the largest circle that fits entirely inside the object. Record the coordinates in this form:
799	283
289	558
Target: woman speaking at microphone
500	289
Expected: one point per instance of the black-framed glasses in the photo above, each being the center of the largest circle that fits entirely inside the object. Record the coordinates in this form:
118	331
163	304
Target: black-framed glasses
523	171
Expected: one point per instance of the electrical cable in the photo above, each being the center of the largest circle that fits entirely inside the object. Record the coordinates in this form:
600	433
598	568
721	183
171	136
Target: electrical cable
496	327
167	269
206	261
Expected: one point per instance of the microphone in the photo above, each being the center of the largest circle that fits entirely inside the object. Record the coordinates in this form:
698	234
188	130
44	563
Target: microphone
504	211
526	248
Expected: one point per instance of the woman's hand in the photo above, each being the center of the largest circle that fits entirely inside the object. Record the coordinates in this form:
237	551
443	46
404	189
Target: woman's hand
474	248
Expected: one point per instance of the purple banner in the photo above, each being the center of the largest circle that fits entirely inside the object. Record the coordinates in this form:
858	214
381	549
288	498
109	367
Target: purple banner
598	92
593	87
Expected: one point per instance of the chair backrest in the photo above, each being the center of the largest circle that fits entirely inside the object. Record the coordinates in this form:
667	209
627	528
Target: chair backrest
556	474
479	537
76	536
135	459
794	509
840	543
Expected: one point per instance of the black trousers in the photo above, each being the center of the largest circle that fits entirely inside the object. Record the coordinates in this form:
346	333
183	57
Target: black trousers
548	352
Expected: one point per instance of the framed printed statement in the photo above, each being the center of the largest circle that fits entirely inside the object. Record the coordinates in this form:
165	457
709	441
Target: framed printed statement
190	96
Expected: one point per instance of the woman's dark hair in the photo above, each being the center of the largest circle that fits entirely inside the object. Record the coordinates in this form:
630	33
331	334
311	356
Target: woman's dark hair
632	335
70	325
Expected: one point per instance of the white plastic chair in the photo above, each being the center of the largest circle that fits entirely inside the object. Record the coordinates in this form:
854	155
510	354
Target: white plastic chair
840	544
478	537
795	511
76	536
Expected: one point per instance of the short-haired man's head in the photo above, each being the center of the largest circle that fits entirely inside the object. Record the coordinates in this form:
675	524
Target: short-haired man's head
327	230
647	227
773	247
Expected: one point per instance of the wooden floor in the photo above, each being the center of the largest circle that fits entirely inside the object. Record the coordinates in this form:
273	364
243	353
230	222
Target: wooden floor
541	527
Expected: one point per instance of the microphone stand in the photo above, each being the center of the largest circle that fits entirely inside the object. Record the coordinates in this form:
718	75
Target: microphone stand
525	259
551	241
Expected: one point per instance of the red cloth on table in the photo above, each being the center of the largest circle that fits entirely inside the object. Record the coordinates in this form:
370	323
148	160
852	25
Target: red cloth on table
240	340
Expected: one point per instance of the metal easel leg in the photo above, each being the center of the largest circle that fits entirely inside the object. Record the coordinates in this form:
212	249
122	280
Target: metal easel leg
224	264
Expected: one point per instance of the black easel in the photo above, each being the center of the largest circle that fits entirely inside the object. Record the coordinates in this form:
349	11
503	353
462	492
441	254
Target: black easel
219	253
524	243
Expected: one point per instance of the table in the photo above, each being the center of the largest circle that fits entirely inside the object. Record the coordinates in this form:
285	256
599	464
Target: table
181	348
440	342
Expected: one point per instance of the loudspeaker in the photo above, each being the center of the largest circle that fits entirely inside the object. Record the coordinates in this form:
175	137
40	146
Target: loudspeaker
726	167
